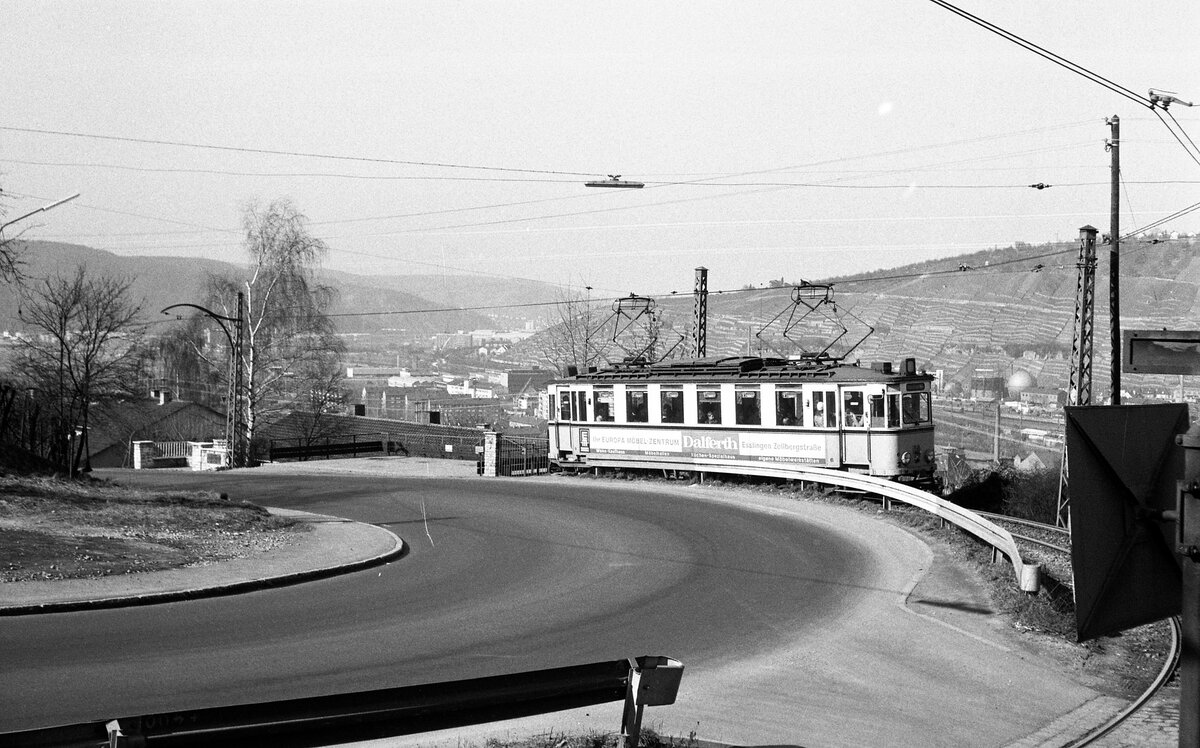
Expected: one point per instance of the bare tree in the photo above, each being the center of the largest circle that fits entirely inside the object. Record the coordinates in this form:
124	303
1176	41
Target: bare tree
88	346
10	252
575	340
286	321
325	397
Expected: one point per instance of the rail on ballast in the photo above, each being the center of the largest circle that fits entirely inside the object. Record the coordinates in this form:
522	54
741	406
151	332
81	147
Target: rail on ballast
1028	574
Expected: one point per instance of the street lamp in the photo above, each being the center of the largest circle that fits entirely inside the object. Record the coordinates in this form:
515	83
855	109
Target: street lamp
236	451
614	180
42	209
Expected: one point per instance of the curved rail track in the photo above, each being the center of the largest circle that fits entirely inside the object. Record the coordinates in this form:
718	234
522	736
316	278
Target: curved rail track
1057	535
1170	663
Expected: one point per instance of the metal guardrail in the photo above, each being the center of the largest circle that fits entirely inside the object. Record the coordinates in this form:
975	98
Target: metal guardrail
340	718
1028	574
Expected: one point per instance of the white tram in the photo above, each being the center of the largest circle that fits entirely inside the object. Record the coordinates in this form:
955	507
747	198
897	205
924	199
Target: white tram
724	412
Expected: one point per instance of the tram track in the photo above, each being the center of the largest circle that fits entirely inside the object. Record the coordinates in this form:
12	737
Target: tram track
1046	546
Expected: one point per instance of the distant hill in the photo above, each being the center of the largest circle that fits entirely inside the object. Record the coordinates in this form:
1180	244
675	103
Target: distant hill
163	281
1003	309
1006	309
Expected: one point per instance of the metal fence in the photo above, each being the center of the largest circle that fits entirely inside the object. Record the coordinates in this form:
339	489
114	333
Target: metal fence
171	449
354	445
522	455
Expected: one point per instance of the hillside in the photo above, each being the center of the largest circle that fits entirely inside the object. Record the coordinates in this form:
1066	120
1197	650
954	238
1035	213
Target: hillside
1011	309
163	281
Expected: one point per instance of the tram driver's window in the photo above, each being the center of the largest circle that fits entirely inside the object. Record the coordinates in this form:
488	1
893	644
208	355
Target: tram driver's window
708	406
672	406
635	406
893	416
564	406
603	405
747	410
787	408
916	408
852	405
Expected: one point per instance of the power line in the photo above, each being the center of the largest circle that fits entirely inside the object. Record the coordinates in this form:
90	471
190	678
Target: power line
1047	54
303	154
1079	70
289	175
1178	139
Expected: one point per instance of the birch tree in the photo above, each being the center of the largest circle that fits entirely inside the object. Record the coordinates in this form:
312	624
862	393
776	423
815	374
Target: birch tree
287	327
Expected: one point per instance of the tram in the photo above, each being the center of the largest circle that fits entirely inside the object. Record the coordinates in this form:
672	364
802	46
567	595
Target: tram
726	412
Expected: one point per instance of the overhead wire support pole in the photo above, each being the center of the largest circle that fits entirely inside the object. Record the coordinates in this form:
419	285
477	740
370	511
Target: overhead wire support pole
1079	391
700	315
1114	261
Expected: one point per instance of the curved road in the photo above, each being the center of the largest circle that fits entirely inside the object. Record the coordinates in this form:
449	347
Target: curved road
785	613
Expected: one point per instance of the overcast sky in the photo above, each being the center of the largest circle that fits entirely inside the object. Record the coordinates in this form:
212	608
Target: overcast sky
776	139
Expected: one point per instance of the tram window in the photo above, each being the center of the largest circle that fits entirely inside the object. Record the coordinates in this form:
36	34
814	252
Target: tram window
636	410
580	409
672	406
893	413
852	404
747	410
877	421
787	408
603	405
824	410
915	408
708	406
564	406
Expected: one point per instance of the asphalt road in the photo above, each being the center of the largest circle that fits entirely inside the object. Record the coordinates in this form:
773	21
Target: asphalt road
786	615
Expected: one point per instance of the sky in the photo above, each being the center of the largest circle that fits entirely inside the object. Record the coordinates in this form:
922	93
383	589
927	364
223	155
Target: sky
789	140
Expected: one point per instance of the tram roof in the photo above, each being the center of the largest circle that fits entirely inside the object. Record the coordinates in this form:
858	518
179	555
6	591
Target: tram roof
745	368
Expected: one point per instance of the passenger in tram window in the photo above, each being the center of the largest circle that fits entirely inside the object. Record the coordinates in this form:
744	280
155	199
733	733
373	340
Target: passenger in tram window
853	405
786	409
708	406
672	406
818	414
635	407
604	405
746	408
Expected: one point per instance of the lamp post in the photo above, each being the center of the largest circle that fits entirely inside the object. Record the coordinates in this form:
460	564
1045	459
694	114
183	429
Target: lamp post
42	209
236	449
614	180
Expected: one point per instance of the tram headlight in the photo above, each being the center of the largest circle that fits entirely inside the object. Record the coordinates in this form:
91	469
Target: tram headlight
930	456
906	458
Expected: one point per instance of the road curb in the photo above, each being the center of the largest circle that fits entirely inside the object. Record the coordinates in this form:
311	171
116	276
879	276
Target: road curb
398	550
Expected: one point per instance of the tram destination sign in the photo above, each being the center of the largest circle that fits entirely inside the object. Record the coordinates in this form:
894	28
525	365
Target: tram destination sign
1161	352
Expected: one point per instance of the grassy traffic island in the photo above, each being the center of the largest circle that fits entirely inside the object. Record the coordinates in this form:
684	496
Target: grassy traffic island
82	529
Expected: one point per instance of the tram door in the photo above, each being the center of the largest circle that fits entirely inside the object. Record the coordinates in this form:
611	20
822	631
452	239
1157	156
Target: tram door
822	406
572	406
856	445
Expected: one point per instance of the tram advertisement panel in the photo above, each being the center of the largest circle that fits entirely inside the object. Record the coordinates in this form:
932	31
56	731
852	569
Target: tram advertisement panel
765	446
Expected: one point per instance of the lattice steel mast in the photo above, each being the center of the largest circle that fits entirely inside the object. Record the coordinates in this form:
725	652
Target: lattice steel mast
700	315
1079	391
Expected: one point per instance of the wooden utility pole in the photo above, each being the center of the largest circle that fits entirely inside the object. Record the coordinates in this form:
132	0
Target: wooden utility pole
1114	259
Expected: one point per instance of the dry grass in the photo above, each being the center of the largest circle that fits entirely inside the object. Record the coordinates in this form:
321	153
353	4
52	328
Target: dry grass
62	529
